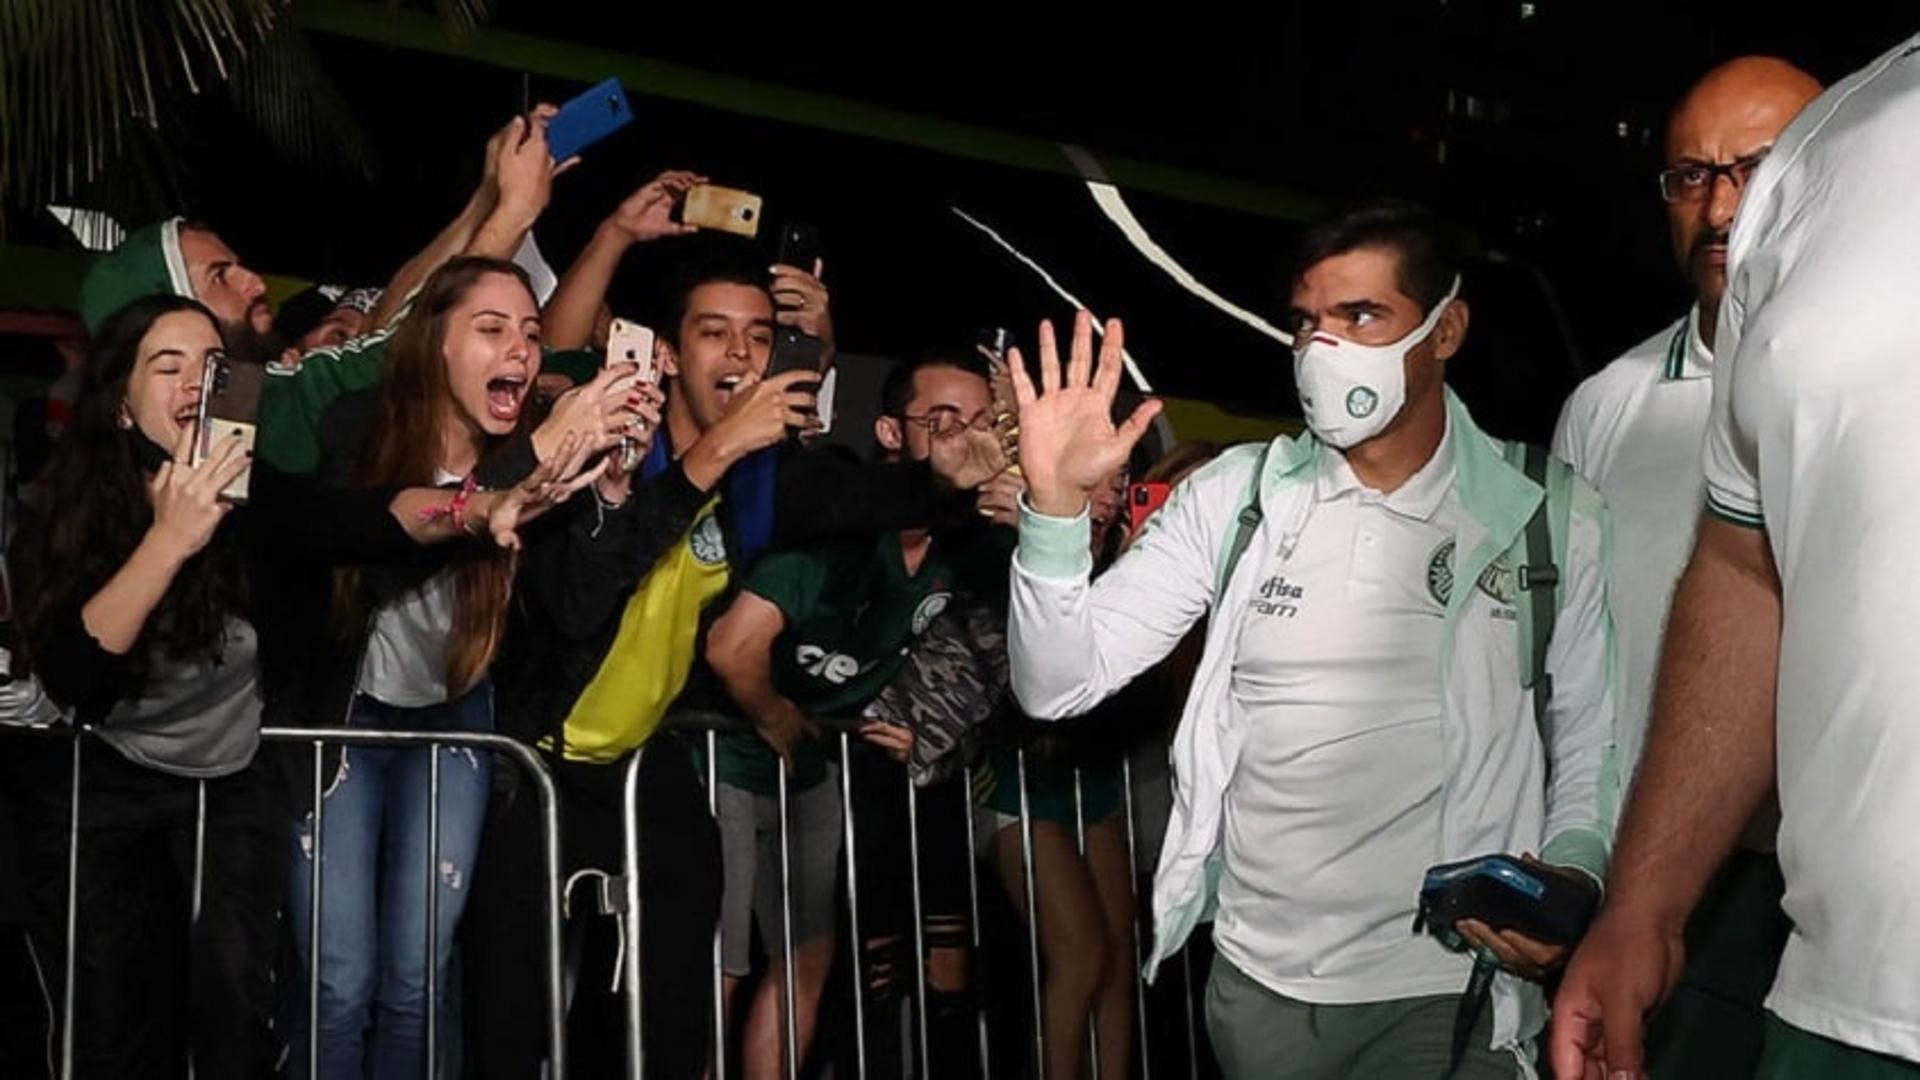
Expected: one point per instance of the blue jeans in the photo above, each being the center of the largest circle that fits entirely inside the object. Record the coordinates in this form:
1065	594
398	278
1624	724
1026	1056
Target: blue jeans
373	932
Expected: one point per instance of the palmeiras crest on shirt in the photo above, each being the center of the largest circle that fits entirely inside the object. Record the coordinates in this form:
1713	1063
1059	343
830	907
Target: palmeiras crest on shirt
1498	580
709	546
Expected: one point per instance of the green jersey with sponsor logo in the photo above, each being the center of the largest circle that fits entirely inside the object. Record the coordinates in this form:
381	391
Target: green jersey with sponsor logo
852	612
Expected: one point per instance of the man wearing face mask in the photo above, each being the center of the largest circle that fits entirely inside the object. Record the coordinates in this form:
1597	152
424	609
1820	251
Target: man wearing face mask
1635	431
1363	708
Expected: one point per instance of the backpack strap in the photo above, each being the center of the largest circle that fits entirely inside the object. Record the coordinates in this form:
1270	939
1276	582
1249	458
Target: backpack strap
1539	575
1244	527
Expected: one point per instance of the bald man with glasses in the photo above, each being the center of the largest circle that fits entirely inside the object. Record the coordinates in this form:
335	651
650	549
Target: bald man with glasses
1634	430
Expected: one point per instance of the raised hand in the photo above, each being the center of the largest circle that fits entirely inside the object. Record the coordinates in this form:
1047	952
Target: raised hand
1069	445
647	214
549	485
186	502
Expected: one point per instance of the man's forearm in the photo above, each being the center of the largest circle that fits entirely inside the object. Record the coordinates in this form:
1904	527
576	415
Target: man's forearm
1709	757
570	314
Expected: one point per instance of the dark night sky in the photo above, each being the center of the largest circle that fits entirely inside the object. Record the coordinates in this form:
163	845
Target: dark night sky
1536	126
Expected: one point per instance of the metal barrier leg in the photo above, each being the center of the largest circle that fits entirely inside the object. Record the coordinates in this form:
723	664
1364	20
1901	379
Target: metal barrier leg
854	941
1080	848
919	922
314	887
977	973
719	987
73	916
1193	1023
1033	917
199	880
433	911
791	1036
630	916
1133	932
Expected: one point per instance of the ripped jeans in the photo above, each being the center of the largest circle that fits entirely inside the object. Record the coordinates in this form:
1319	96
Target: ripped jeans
373	932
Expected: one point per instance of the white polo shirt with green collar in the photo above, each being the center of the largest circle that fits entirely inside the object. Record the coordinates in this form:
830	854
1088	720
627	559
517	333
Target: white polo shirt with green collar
1814	436
1506	783
1634	431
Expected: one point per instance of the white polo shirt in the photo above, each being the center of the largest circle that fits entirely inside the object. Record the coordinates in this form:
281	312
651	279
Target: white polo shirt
1815	436
1332	813
1634	430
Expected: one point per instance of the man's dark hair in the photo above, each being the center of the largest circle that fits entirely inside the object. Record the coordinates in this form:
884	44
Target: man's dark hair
716	265
1429	252
897	389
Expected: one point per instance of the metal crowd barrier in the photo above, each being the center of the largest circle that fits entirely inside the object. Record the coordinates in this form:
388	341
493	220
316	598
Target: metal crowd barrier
710	724
319	739
628	906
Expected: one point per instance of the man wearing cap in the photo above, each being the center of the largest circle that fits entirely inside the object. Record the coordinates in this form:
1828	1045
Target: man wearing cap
187	258
1634	431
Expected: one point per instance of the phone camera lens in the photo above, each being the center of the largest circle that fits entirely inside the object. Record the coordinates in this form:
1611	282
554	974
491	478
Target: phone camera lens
746	213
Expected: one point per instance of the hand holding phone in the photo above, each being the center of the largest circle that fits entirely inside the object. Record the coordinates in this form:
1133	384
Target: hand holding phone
631	343
229	407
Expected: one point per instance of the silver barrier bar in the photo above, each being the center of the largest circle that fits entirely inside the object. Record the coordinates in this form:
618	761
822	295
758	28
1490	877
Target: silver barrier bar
630	916
433	910
719	986
1193	1024
853	911
199	879
1033	917
549	799
791	1036
199	850
977	973
314	887
73	918
1080	847
919	921
1133	931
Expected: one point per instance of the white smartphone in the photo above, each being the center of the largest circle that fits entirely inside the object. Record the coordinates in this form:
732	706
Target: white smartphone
630	342
824	396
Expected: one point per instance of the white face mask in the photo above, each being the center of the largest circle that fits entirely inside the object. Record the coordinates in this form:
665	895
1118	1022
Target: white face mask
1350	392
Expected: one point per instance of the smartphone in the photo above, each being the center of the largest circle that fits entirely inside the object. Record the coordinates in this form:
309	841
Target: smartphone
823	399
587	119
725	209
229	405
1142	500
630	342
794	350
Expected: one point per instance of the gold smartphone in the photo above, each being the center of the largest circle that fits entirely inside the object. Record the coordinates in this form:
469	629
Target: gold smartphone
725	209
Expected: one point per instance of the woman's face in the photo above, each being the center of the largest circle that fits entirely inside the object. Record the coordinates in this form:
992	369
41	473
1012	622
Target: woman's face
163	388
492	348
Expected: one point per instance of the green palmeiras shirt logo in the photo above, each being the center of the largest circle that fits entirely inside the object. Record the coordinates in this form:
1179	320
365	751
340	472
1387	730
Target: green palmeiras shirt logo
929	610
1440	573
709	547
1498	581
1361	401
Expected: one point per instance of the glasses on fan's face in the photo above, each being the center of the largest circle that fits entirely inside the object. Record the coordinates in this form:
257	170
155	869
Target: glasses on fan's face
945	420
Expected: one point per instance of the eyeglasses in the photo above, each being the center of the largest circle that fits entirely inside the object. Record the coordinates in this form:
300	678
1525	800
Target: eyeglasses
1696	180
945	420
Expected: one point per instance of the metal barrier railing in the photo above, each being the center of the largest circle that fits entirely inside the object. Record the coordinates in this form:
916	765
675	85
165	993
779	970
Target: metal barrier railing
712	723
623	898
320	738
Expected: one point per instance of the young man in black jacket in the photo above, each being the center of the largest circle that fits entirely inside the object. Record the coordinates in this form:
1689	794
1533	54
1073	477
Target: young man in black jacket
615	597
